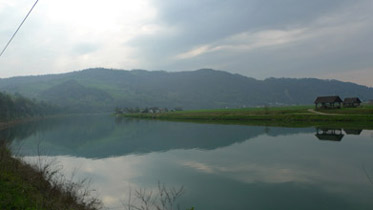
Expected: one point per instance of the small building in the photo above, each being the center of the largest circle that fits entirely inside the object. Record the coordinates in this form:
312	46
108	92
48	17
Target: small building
351	102
328	102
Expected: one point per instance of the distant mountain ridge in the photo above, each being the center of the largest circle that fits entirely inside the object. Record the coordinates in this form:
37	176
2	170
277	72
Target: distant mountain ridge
99	89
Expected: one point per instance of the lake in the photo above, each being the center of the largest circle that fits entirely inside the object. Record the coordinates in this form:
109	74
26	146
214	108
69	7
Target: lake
220	166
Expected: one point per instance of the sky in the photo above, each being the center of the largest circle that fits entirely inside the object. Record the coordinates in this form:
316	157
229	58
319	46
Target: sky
256	38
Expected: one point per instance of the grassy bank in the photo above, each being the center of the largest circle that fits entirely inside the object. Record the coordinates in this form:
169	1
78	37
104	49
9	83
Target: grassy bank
25	187
293	116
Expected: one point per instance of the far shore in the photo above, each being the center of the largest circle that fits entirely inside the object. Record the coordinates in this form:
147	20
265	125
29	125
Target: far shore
290	116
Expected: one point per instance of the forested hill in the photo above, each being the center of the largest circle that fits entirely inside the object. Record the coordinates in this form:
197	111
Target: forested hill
101	89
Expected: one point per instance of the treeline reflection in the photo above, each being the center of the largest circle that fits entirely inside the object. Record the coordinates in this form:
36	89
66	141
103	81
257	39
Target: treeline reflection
99	136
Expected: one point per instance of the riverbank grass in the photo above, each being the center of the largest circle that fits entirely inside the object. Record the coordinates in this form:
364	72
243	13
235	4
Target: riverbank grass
25	187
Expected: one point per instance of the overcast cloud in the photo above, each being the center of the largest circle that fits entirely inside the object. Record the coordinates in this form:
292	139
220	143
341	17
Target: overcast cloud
260	39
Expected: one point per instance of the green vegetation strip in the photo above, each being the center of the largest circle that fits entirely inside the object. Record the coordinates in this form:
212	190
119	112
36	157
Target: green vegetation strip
294	116
24	187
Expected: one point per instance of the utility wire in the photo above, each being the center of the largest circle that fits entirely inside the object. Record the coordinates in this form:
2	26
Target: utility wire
29	12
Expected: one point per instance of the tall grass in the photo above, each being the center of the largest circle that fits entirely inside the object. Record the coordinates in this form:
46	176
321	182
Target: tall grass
165	198
40	186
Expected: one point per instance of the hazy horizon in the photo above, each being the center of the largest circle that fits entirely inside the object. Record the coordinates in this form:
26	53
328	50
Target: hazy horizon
10	77
292	39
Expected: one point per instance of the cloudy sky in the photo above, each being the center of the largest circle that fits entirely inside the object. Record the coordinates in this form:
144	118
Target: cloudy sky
289	38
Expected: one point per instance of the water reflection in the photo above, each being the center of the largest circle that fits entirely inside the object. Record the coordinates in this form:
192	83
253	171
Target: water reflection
329	134
265	172
353	131
335	134
220	166
101	136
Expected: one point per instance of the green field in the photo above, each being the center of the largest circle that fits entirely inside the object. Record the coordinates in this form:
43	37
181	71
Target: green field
292	116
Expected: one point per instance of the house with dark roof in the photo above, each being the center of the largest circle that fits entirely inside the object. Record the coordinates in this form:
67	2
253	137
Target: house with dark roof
351	102
328	102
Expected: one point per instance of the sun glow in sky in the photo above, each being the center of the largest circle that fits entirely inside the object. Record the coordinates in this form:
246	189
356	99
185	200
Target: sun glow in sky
260	39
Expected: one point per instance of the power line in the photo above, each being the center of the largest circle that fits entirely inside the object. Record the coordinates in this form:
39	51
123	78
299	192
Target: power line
29	12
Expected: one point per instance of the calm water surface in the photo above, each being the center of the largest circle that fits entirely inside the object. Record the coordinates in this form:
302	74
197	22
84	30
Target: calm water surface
220	166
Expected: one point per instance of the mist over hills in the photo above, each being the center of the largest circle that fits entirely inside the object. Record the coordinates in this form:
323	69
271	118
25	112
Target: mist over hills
99	89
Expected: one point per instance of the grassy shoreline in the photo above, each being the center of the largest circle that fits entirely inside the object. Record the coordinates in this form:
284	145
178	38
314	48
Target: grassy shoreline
25	186
292	116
